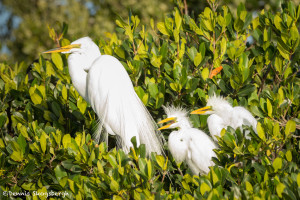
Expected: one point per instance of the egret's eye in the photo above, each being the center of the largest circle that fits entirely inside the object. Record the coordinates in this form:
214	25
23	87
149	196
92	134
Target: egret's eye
181	140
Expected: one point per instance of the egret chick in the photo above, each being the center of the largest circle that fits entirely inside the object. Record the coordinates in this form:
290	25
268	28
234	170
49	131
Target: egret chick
104	83
187	143
222	115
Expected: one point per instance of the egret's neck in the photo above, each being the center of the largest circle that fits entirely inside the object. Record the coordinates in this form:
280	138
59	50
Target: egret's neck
78	75
184	124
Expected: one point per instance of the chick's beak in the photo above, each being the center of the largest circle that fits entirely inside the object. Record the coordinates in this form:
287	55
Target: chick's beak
63	49
202	110
172	119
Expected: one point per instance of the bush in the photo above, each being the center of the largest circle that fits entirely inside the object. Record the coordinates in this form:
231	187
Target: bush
46	127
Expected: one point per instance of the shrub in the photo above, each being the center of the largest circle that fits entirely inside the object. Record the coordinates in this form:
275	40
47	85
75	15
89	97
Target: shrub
46	127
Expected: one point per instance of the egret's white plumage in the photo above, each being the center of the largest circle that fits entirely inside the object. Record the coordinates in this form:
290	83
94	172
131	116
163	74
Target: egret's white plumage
222	115
103	82
187	143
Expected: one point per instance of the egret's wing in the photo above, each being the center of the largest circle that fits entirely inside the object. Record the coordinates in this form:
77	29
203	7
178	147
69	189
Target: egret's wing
215	125
113	98
201	151
244	117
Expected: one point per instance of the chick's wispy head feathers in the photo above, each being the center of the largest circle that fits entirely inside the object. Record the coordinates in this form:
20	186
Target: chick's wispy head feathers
217	100
173	111
180	114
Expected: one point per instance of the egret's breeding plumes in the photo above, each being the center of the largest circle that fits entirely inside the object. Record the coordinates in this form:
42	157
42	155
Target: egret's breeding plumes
104	83
222	115
187	143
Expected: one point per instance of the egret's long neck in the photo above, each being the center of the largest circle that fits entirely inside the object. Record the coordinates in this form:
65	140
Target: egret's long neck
78	75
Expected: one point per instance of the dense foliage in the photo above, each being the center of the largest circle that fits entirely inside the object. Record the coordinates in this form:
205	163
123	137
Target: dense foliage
46	127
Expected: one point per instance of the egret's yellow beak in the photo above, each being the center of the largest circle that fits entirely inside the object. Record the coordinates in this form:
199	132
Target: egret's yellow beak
202	110
172	119
63	49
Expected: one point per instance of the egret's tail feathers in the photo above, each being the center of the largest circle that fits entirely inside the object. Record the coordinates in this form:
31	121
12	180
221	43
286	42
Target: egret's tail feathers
148	133
100	134
127	117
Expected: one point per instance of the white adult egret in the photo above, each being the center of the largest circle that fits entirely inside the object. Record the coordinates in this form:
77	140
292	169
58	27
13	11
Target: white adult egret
223	115
104	83
188	144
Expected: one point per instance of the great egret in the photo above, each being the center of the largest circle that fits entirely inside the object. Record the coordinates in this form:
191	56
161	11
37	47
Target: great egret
223	115
188	144
104	83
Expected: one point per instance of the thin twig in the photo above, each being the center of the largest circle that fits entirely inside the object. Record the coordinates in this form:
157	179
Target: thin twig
186	11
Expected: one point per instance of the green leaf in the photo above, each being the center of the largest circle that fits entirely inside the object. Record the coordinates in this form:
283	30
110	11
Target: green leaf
91	158
162	28
283	49
152	23
260	131
35	98
56	108
57	60
43	142
277	22
289	156
66	140
64	93
112	160
198	59
205	73
298	179
160	160
269	108
204	188
192	53
294	33
249	187
245	91
17	155
42	193
2	145
29	186
290	127
159	100
176	35
276	131
149	169
279	189
277	164
81	104
153	89
178	19
114	185
59	172
120	52
23	130
156	61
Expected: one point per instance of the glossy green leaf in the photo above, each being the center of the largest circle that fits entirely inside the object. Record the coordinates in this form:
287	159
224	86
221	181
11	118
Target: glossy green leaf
204	188
43	142
64	93
290	127
66	140
277	164
162	28
279	189
260	131
81	104
57	60
60	172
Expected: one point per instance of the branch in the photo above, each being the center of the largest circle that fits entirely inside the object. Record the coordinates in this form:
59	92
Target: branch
186	11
